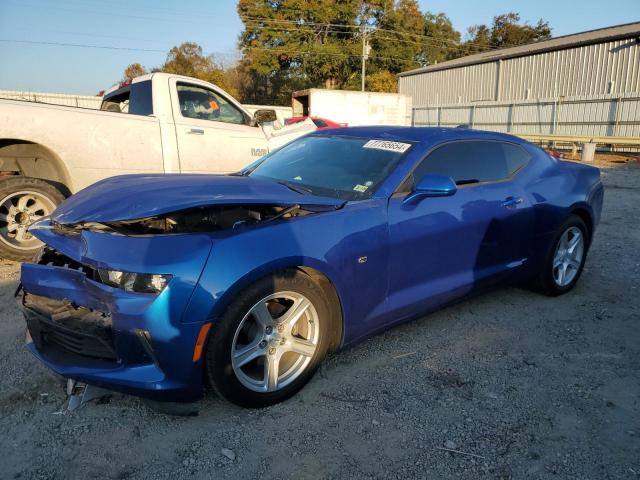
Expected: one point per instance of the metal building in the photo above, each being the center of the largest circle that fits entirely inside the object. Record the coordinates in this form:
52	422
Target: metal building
603	61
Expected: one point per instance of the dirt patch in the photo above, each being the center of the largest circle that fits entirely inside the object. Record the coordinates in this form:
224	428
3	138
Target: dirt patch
510	384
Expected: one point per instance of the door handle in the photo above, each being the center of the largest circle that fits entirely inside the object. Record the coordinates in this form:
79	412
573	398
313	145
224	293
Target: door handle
196	131
512	202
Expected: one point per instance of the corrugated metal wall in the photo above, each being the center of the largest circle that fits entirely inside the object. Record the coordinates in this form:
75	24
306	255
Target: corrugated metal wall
451	86
596	115
604	68
54	98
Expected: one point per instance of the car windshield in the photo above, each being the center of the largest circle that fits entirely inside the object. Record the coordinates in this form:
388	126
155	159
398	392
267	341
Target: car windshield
348	168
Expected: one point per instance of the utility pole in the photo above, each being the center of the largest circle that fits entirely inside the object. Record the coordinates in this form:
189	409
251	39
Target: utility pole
366	48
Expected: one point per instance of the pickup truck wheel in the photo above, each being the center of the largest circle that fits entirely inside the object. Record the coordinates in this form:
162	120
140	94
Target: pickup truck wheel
23	200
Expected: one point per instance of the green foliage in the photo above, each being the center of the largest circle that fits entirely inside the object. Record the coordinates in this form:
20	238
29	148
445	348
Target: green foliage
134	70
382	81
188	59
442	42
290	45
506	31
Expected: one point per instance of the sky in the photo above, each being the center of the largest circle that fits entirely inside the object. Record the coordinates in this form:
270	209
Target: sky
144	30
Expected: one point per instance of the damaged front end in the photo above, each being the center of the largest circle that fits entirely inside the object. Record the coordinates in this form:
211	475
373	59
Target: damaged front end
106	303
196	220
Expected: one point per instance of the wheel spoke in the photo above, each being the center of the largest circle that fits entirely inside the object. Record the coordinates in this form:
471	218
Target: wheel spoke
294	313
271	370
302	347
575	241
562	271
557	261
246	354
12	227
573	263
20	234
262	315
22	202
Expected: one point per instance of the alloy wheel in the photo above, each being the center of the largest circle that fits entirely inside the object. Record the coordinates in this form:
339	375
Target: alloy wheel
568	256
275	341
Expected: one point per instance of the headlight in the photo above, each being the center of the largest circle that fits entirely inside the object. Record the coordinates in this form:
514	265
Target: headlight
134	282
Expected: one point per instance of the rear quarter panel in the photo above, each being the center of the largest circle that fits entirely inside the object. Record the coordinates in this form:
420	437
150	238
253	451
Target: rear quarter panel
556	189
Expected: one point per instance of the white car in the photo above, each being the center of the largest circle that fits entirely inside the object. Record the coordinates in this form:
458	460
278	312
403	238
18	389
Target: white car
158	123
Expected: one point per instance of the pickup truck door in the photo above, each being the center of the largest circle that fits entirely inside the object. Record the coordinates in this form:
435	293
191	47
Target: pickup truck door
212	130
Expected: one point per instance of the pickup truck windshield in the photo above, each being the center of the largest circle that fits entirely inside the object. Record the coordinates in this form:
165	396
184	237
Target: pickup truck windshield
348	168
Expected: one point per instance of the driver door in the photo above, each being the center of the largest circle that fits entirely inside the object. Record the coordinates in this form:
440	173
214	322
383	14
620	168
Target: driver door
443	247
213	133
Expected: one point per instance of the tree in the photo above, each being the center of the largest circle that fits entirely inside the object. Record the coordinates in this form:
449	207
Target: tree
396	43
382	81
290	44
506	31
132	71
443	42
188	59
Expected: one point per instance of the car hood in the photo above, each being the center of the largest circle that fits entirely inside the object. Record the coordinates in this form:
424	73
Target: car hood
131	197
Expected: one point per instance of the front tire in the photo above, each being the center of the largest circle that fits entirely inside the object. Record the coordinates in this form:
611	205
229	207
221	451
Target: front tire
270	340
564	262
23	200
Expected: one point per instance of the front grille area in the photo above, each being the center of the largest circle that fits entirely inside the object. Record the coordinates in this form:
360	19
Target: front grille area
54	258
62	324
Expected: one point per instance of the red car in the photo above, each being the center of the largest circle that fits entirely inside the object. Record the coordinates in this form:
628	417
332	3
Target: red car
321	123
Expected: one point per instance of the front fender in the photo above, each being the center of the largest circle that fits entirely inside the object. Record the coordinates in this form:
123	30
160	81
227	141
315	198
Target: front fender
349	247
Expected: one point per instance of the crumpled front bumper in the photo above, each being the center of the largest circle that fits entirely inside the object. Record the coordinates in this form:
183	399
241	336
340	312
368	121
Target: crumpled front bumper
152	344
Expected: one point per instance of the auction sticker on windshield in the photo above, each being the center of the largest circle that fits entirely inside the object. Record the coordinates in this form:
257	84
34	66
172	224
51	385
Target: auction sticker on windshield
398	147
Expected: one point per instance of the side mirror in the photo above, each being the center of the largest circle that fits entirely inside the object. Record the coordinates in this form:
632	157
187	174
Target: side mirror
432	186
264	116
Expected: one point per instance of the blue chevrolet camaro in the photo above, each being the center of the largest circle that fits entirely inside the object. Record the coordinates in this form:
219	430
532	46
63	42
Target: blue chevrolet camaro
157	285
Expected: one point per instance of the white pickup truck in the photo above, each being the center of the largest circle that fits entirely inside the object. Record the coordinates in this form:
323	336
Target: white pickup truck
158	123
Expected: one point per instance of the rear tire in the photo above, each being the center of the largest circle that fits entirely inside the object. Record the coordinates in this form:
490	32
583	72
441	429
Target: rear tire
23	200
270	340
565	259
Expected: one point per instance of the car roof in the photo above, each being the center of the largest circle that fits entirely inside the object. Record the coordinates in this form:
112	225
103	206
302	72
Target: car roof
426	135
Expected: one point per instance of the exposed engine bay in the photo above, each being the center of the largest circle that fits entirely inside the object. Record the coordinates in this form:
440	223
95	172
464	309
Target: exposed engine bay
196	220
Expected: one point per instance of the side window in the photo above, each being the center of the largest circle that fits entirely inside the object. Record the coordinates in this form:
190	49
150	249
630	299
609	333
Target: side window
141	98
473	161
134	99
516	157
204	104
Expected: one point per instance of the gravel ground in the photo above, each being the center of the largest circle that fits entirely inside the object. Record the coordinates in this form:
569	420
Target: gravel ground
519	385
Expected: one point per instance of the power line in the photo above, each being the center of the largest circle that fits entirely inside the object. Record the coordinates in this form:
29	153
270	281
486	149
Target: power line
109	47
80	45
428	40
357	28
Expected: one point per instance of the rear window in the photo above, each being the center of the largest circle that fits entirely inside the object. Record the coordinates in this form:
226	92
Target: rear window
135	99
